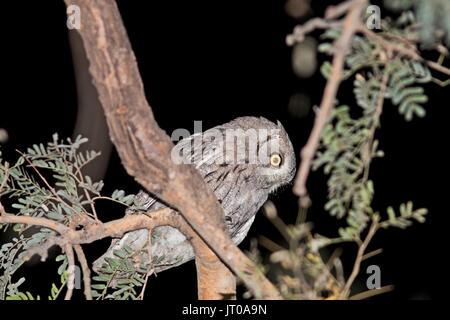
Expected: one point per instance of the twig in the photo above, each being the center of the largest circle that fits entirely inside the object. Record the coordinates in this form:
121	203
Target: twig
301	215
410	52
270	211
326	276
334	256
52	190
88	197
351	24
71	280
367	151
141	294
150	267
359	257
371	293
86	271
436	66
333	12
301	31
269	244
371	254
380	101
42	222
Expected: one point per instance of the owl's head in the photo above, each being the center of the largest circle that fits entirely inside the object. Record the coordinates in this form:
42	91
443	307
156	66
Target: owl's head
271	147
249	151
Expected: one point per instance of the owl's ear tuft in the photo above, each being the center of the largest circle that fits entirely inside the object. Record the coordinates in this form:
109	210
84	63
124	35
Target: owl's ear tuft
280	125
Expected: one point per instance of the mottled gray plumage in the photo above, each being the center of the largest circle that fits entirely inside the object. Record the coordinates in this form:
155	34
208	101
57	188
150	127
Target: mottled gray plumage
241	187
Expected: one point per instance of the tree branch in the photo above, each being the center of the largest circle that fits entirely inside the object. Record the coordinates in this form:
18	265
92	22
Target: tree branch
71	262
86	271
350	25
145	149
94	230
409	52
359	258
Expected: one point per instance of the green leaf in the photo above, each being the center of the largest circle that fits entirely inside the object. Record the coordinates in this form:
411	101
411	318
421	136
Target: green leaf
54	215
99	286
60	257
54	290
120	253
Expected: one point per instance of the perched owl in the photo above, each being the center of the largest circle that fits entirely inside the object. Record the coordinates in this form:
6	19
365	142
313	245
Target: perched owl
242	161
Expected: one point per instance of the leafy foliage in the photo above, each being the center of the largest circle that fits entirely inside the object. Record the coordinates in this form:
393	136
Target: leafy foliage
15	294
405	75
406	214
431	15
305	268
46	181
348	143
401	89
120	274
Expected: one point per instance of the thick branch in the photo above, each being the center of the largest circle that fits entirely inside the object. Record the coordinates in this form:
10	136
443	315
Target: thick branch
145	149
351	24
71	262
95	230
86	271
205	261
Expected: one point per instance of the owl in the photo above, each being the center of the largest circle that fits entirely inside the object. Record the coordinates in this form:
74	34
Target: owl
242	161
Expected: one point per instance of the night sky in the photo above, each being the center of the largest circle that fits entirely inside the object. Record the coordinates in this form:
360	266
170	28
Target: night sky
214	61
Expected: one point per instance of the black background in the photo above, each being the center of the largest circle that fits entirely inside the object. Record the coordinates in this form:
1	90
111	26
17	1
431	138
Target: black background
214	61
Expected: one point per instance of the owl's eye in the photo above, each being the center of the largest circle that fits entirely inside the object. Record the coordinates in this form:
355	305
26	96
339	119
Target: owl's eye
275	160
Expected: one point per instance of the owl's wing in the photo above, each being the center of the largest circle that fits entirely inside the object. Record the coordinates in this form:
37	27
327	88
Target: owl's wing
201	149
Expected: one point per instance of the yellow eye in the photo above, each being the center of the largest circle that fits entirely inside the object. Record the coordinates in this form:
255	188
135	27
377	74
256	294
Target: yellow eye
275	160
